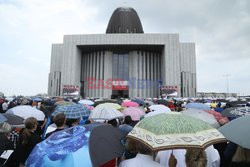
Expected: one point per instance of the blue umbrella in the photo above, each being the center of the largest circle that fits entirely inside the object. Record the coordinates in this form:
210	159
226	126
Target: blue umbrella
37	99
2	118
141	102
200	106
65	148
72	111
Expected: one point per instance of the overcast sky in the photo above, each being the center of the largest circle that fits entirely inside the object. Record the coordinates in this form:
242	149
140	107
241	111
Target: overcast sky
219	28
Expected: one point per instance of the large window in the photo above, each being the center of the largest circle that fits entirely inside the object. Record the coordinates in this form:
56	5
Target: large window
120	66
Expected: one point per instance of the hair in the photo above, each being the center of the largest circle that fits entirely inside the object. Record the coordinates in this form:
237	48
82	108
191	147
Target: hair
196	157
5	127
241	155
30	124
59	119
70	122
113	122
128	120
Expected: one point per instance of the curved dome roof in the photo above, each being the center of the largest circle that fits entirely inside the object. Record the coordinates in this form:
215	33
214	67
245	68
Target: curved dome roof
124	20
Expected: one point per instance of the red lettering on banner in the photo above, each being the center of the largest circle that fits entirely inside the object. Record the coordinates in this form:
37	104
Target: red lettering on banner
90	83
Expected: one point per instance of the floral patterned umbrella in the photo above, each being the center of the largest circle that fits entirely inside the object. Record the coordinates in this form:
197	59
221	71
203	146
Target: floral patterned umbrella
175	131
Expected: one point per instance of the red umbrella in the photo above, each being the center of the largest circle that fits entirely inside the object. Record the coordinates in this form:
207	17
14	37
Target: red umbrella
222	120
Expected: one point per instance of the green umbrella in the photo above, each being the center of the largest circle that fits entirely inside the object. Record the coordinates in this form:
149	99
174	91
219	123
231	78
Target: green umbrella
237	131
175	130
112	105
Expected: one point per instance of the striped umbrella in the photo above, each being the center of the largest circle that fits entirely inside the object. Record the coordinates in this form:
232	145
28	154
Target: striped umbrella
105	113
64	103
175	131
72	111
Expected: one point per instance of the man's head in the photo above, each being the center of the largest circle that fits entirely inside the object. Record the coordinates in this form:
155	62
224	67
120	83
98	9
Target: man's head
59	120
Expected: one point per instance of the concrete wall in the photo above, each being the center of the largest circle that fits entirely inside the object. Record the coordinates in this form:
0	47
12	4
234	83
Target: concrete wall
188	69
54	80
169	65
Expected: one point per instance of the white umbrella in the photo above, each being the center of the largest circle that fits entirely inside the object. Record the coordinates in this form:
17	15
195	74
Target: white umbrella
26	111
88	102
159	107
202	115
152	113
105	113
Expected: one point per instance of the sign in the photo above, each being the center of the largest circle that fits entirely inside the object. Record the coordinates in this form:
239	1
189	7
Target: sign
70	89
169	90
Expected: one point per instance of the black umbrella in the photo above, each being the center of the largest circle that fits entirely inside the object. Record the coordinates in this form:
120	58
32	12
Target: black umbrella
14	120
237	103
105	144
163	102
235	111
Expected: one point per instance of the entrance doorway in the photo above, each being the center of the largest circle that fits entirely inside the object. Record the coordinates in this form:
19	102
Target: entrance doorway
119	94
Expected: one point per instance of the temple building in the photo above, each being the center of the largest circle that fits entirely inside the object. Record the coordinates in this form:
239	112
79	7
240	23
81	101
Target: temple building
124	62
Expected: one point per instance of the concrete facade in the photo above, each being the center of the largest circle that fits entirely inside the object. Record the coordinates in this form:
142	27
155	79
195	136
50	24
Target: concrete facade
151	56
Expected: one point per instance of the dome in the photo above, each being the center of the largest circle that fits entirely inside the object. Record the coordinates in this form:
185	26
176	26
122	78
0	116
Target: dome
124	20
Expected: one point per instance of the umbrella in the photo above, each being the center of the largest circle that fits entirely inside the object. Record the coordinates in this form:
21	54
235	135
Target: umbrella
103	101
88	102
202	115
152	113
105	113
134	112
112	105
72	111
163	102
14	120
149	102
175	131
2	118
200	106
222	120
237	103
37	99
130	104
26	111
235	111
139	101
64	103
237	131
65	148
105	144
89	107
159	108
9	98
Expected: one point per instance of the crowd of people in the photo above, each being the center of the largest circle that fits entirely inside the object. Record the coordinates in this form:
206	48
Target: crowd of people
23	139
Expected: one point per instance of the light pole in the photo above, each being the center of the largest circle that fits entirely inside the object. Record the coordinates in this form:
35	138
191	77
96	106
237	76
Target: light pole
227	75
